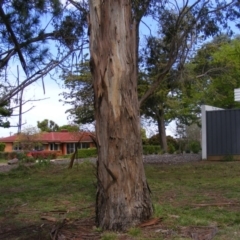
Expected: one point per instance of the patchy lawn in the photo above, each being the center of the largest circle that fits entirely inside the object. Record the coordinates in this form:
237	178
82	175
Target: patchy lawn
191	201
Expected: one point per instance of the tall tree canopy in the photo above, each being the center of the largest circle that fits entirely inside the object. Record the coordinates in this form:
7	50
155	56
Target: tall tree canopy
213	73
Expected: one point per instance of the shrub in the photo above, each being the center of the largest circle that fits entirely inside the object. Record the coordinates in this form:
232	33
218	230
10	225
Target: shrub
44	154
154	140
27	159
195	146
2	146
173	143
145	141
182	143
4	155
20	155
86	153
151	149
171	149
187	150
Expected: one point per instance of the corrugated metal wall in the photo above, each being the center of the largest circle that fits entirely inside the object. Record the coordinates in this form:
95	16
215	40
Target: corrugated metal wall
223	132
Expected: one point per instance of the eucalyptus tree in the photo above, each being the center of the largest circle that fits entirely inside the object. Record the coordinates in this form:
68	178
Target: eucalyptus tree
114	65
123	198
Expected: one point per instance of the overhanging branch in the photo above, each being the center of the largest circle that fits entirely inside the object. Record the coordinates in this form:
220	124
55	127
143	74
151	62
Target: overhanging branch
32	79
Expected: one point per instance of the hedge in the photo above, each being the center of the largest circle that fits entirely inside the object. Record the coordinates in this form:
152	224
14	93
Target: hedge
44	154
151	149
86	153
21	155
11	155
2	146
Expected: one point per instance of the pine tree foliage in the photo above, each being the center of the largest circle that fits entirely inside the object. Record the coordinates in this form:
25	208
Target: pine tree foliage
79	94
40	35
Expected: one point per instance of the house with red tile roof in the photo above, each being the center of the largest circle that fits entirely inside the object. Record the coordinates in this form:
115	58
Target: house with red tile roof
65	142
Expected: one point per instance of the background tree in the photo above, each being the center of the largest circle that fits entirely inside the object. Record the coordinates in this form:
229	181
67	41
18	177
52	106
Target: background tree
28	139
47	126
166	103
213	74
5	113
79	94
182	27
70	127
50	126
222	83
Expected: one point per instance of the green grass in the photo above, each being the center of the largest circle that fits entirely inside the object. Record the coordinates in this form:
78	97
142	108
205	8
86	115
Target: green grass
29	193
197	195
201	194
3	161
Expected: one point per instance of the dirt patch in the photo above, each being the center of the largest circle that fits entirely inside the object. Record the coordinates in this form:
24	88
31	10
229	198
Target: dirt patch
85	229
7	168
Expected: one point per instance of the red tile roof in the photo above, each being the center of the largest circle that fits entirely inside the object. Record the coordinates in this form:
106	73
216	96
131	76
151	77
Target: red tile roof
56	137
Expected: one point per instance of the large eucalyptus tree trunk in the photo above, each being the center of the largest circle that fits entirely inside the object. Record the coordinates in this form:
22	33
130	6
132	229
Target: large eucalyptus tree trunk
123	195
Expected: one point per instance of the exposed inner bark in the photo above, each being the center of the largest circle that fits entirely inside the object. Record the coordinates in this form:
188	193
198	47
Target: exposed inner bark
123	196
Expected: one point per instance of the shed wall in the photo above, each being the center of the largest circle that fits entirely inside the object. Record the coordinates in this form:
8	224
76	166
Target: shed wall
223	132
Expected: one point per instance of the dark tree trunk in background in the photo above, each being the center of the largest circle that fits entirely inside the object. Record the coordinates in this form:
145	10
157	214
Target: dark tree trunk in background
162	130
122	196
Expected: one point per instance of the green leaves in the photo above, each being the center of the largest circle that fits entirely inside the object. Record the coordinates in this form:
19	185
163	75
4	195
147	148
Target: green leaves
79	94
47	126
217	74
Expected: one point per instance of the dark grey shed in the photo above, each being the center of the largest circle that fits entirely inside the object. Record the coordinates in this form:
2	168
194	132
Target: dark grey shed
220	133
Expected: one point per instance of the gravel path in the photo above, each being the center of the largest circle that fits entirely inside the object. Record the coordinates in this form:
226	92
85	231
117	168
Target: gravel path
154	159
172	158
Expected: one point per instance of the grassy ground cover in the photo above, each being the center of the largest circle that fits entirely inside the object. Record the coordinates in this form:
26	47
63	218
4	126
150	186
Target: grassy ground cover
3	161
190	200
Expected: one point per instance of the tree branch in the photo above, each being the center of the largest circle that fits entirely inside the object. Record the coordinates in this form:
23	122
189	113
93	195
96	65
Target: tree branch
32	79
14	39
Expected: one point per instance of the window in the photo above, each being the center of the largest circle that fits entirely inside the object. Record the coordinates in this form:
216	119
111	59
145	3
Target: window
17	147
38	148
85	145
70	148
53	146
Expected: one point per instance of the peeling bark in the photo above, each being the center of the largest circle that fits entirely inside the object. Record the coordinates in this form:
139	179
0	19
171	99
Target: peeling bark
123	198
